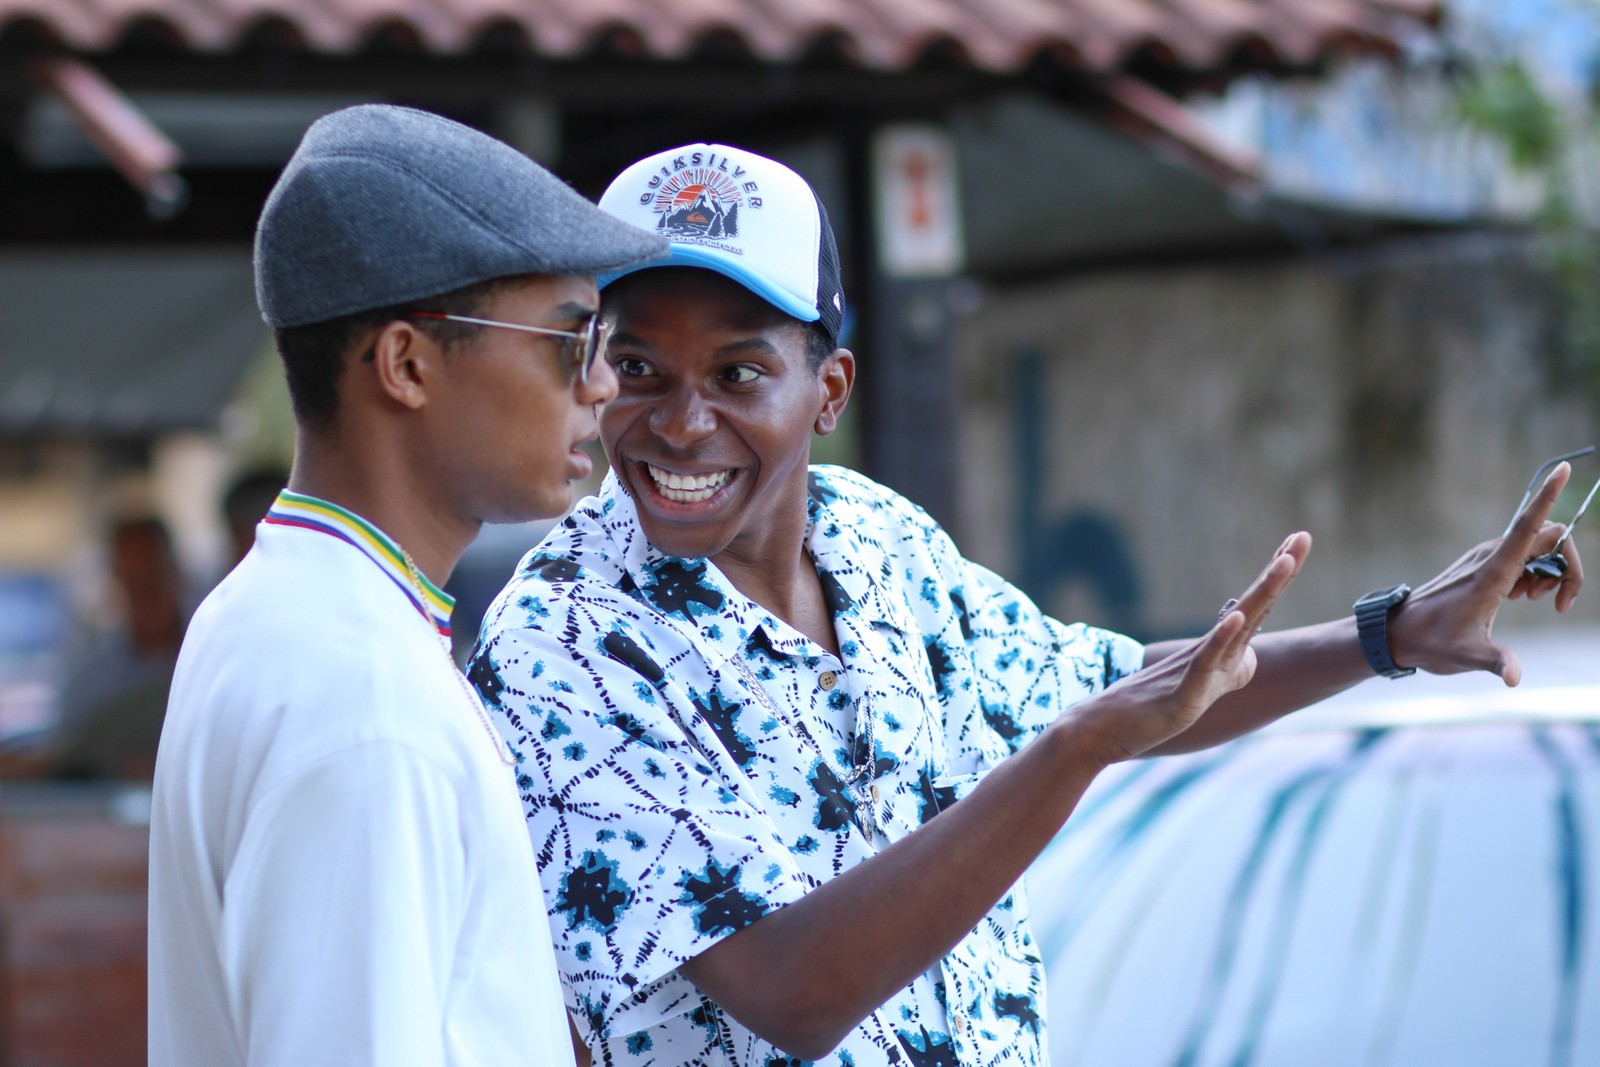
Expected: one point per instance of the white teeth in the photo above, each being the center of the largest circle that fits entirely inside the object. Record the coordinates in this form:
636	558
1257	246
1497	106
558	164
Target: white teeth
687	488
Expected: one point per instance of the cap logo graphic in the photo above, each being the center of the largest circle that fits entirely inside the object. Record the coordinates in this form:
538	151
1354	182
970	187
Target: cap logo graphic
698	198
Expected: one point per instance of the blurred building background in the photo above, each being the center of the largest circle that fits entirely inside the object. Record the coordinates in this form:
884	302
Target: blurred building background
1137	288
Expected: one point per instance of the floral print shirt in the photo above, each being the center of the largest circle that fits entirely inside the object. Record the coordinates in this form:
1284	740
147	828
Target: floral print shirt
689	762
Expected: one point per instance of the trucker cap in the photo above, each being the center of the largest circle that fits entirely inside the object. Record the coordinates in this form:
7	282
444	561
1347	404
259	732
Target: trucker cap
383	205
739	214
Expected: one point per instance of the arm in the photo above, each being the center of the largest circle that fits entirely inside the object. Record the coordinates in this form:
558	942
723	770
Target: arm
580	1052
339	910
1294	669
804	975
1445	627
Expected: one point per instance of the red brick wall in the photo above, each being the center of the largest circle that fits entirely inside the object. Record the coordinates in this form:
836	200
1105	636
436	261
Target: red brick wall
72	936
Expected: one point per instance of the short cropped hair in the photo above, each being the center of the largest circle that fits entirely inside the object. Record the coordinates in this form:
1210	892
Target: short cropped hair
314	356
818	345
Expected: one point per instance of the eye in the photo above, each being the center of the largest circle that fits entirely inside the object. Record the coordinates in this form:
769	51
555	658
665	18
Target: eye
740	374
633	367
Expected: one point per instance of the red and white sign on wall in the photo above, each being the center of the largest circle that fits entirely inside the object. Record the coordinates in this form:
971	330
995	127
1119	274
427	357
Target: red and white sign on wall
918	202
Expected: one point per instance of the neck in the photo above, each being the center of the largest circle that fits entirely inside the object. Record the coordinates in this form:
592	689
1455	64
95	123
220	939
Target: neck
778	581
387	493
777	572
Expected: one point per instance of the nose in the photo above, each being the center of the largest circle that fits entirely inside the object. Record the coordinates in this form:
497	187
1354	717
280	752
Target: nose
601	385
682	417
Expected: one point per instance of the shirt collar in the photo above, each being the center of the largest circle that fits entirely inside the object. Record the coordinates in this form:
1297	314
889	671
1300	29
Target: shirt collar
691	593
310	513
694	592
843	545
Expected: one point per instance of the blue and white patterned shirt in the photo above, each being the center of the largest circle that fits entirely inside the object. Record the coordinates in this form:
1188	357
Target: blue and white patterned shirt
686	756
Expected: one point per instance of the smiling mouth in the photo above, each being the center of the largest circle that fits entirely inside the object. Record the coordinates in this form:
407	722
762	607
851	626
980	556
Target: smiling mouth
687	488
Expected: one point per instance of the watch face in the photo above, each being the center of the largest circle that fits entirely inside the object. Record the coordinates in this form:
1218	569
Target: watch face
1392	595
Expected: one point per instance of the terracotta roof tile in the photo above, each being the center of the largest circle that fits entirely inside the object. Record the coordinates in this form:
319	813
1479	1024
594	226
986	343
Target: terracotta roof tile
992	35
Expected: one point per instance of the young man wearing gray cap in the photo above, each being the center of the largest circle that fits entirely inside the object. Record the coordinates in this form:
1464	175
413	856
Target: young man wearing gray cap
786	753
339	869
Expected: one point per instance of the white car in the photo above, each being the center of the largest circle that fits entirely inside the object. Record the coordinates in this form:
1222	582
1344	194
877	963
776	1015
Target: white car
1405	876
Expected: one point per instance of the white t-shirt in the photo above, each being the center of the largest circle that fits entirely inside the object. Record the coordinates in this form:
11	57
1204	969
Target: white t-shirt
339	868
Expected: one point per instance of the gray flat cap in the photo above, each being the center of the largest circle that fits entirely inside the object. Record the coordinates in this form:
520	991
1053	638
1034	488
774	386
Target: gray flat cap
383	205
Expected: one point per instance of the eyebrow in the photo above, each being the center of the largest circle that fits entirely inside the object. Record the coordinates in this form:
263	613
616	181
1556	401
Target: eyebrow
749	344
623	338
572	309
735	348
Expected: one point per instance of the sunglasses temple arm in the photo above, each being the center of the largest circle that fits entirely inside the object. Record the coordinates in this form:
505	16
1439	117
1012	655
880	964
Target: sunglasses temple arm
1533	483
1515	515
1574	523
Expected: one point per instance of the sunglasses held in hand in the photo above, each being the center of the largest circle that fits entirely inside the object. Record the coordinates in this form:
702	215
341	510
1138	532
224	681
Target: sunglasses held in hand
1552	564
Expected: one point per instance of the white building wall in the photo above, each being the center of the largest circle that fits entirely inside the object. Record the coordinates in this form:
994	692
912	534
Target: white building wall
1393	402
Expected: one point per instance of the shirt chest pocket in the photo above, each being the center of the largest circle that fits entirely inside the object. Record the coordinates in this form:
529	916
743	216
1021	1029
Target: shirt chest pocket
918	797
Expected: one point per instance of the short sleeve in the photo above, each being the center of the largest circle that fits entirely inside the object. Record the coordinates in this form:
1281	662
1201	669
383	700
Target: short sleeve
311	980
650	846
1002	669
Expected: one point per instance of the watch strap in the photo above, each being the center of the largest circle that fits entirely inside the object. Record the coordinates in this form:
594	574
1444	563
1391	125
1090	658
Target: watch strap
1372	626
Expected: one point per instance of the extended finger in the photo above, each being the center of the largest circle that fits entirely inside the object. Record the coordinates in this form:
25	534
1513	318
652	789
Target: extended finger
1296	547
1518	544
1221	647
1257	600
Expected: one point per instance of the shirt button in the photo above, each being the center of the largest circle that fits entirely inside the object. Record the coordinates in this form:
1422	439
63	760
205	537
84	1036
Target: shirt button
828	680
874	793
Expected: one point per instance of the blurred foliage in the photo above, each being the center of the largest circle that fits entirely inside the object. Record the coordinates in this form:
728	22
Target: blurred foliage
1504	100
1546	140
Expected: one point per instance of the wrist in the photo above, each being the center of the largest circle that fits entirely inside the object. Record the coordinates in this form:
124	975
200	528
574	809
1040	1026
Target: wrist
1403	649
1082	741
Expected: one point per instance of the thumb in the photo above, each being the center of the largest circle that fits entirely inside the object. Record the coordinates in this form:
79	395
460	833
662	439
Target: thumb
1245	672
1507	665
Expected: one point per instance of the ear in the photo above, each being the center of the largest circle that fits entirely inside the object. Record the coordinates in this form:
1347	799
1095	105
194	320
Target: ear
402	359
835	378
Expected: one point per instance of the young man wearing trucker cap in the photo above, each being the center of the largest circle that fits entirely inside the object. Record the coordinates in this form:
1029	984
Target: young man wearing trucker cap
339	871
784	752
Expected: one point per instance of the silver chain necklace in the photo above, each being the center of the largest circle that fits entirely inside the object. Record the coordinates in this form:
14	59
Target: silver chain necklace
859	780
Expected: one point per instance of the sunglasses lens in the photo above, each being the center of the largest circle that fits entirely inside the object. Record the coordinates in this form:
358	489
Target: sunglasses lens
1552	566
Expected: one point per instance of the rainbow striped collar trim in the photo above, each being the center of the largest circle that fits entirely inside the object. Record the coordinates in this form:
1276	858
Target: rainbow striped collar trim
309	513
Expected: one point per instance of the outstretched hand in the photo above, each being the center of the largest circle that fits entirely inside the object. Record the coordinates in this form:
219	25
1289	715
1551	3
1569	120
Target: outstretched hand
1447	624
1166	698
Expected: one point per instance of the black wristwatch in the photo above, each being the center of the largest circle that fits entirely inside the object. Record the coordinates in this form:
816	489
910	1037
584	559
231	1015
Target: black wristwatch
1372	624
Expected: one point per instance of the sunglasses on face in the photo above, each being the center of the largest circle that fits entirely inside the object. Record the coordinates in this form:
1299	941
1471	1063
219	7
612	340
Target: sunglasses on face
579	354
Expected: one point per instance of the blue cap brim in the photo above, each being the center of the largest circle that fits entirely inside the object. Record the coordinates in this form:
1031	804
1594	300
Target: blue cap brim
711	259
